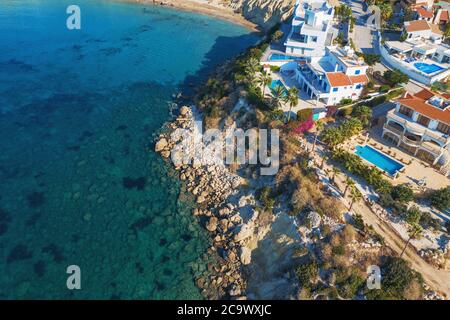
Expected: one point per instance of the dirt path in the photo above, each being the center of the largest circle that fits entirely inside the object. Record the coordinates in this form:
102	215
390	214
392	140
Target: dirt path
439	280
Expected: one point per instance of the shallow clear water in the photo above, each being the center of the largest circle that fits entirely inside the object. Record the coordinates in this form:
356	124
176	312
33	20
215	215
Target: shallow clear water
379	159
79	182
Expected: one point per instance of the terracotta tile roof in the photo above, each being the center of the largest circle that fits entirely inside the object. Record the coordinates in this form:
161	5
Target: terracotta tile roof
444	16
338	79
424	13
416	25
424	94
421	106
359	79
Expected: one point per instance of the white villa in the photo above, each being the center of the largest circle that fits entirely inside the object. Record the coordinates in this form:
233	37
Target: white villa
310	31
420	124
337	75
422	56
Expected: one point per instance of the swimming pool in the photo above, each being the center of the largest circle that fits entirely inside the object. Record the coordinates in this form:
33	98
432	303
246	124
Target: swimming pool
427	68
276	83
282	57
379	159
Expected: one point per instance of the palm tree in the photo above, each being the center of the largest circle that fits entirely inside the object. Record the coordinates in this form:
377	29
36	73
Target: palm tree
292	98
264	80
414	231
355	196
335	171
349	183
278	95
319	128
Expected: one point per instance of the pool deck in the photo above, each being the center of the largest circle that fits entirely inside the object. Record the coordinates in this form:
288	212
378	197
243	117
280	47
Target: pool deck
304	102
414	168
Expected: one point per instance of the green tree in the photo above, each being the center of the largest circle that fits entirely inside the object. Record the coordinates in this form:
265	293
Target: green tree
440	199
355	196
349	183
402	193
335	171
363	114
264	80
292	99
386	11
319	128
415	231
395	77
278	96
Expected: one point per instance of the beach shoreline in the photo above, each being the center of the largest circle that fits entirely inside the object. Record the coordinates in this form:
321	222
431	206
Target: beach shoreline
202	7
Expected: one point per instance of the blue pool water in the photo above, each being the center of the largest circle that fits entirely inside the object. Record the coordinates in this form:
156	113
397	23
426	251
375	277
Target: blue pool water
283	57
276	83
427	68
79	181
379	159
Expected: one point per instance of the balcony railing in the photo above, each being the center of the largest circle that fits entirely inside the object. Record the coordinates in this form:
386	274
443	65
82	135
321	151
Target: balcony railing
417	129
308	75
393	129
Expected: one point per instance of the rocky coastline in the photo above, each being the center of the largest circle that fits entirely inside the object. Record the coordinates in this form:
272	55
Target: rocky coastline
222	208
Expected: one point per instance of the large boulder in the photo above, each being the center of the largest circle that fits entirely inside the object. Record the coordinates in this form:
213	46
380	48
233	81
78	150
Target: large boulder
161	144
212	224
246	256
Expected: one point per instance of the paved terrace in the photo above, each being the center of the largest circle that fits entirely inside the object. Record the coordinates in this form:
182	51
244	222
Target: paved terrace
415	169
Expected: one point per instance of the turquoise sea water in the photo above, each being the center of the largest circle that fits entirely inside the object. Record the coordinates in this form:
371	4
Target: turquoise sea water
79	182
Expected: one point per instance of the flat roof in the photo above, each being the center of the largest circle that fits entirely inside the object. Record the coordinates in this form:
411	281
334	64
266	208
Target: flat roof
400	46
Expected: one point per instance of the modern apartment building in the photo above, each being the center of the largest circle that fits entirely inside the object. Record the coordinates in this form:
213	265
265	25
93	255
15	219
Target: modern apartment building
310	30
420	124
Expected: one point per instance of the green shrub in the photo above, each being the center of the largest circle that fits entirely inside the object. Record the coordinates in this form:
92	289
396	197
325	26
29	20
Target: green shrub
338	250
384	88
266	198
395	77
307	273
277	35
402	193
427	221
275	68
358	222
440	199
349	286
304	115
345	101
396	281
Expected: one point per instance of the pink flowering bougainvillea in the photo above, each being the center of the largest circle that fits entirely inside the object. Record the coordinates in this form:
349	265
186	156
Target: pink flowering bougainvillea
304	126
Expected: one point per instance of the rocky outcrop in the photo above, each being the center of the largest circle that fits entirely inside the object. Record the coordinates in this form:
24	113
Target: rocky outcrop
265	13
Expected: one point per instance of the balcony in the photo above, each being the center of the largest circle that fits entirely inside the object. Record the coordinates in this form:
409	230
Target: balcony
309	76
431	147
394	129
415	128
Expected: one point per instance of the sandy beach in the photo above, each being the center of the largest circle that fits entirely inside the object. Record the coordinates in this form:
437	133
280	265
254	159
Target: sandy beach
208	7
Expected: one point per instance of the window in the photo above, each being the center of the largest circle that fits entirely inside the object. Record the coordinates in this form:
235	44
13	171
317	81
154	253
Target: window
335	89
406	111
444	128
358	86
357	71
314	39
423	120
